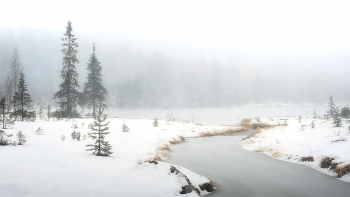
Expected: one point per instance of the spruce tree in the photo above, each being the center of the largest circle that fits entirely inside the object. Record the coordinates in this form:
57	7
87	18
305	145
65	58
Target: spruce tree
99	131
21	138
21	99
155	122
331	104
314	114
3	110
67	95
94	91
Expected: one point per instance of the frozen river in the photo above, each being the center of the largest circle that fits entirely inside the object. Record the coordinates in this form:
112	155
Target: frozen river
242	173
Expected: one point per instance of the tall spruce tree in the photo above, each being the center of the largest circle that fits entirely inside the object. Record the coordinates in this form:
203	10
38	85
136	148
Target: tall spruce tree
94	91
68	94
332	107
99	131
2	110
21	99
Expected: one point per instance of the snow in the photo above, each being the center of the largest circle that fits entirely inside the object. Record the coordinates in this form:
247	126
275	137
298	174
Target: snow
291	142
48	166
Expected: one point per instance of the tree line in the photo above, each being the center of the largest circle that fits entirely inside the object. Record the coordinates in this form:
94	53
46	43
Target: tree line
15	100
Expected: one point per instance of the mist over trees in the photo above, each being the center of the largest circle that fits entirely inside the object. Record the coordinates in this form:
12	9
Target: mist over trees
147	74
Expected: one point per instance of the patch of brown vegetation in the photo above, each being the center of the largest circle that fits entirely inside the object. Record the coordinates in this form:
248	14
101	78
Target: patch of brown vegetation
165	148
308	159
174	141
181	138
334	166
223	132
209	187
276	154
326	162
341	171
246	123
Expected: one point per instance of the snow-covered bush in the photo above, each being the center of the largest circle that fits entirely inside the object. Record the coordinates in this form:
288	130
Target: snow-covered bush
4	138
39	131
63	138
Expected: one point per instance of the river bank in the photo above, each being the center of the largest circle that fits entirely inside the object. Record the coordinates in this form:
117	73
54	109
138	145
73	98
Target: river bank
303	140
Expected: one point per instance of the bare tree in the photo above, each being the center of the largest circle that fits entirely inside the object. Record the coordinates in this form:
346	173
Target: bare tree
8	91
15	70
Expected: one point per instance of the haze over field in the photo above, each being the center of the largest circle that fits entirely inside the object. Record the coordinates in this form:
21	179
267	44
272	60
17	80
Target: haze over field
186	54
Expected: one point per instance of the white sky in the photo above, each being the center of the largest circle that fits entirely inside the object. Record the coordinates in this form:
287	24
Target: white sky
273	26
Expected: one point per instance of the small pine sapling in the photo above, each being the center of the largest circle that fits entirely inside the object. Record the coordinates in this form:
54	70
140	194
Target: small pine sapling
63	138
299	119
73	134
99	131
125	128
84	137
338	122
40	113
49	111
21	138
314	114
77	136
155	122
74	124
39	131
312	124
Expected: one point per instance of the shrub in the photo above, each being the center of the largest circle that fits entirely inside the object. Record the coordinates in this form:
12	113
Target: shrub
308	159
341	171
63	138
181	138
125	128
174	141
326	162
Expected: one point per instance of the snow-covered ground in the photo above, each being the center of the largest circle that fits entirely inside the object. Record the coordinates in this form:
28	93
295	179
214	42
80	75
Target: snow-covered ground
47	166
298	139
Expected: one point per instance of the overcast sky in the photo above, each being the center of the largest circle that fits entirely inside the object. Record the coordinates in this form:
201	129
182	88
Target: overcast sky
290	50
264	26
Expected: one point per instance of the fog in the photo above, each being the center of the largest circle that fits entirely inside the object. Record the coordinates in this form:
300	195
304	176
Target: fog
177	55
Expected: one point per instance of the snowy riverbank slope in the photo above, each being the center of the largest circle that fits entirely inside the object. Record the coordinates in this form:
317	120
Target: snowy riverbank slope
298	139
47	166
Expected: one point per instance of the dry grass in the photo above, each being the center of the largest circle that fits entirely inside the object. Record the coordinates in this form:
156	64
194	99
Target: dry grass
165	148
308	159
208	133
326	162
276	154
223	132
341	171
173	141
182	138
334	166
246	123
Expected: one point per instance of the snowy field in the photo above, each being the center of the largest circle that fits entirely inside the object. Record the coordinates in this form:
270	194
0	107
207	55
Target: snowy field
47	166
298	139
